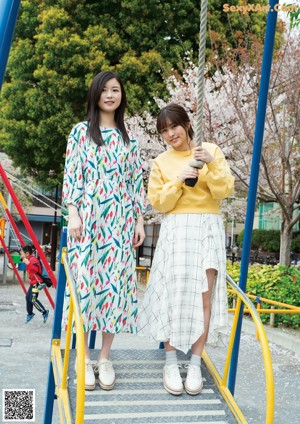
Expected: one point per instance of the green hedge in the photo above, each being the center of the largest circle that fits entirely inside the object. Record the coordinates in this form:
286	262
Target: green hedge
268	240
279	283
295	247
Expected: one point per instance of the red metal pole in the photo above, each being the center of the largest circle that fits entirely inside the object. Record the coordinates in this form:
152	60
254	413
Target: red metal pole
28	226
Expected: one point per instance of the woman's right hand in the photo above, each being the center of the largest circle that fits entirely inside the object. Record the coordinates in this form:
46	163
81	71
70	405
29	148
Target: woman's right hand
75	223
188	172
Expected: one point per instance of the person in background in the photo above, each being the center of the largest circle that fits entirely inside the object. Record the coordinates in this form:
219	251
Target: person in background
185	303
103	190
34	270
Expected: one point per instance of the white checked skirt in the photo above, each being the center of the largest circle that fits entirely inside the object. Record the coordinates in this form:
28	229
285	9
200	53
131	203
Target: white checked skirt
172	308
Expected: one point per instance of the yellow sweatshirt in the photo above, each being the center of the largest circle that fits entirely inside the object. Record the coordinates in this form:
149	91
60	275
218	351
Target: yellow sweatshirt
169	195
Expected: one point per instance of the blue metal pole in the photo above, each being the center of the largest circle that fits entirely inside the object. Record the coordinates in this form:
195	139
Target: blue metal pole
8	17
257	148
92	340
56	330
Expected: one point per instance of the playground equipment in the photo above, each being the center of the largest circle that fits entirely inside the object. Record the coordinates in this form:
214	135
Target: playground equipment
71	396
14	259
191	182
2	227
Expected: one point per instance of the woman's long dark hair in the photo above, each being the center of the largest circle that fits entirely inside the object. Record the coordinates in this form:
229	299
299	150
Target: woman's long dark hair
176	115
93	110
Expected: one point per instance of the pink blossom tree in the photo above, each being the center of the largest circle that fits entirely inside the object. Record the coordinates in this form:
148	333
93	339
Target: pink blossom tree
230	104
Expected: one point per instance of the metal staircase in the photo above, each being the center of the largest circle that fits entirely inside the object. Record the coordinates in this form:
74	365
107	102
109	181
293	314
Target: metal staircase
139	397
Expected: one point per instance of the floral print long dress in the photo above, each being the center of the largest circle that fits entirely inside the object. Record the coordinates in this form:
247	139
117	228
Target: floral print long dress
106	184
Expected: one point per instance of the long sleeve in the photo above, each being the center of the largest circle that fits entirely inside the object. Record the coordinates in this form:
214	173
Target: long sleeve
137	184
73	179
168	194
163	196
219	178
33	269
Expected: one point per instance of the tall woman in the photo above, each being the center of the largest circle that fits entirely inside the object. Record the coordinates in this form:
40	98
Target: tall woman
103	190
185	303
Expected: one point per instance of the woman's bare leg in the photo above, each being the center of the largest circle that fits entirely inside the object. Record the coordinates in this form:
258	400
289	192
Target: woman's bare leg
86	345
194	381
107	339
168	347
198	346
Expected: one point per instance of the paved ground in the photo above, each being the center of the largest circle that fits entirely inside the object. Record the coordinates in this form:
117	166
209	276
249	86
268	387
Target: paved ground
24	358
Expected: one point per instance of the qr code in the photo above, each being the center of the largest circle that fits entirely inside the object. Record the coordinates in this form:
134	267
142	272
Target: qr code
18	405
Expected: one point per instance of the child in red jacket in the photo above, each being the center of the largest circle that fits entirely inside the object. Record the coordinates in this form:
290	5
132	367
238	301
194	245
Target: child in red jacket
34	270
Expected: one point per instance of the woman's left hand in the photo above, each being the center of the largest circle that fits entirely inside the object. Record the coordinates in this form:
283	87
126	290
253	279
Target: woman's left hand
202	154
139	233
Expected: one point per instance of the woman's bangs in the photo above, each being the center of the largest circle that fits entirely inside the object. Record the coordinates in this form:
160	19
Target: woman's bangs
165	119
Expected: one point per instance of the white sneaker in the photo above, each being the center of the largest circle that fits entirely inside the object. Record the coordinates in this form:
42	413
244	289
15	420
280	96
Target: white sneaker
193	383
90	380
172	379
107	375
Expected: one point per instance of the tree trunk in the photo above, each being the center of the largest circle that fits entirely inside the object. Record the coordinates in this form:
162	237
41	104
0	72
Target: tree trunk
285	243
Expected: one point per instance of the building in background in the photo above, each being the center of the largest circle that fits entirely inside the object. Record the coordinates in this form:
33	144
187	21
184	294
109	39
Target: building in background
269	217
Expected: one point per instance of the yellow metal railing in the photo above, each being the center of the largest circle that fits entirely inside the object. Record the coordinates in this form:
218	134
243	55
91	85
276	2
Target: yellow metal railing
290	309
222	381
146	269
60	367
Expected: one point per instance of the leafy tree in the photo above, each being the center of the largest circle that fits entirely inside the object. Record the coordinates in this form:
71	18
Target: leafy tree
14	176
61	44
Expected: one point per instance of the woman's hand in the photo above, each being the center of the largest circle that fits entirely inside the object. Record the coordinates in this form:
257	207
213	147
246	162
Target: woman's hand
75	223
139	233
202	154
188	172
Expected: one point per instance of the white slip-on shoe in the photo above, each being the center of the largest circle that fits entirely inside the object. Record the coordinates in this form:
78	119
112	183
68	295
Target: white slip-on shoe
193	383
107	375
172	379
90	380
